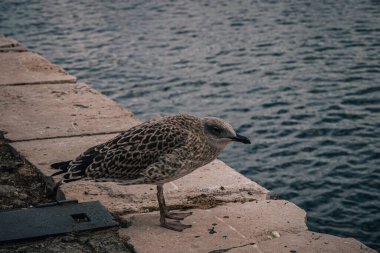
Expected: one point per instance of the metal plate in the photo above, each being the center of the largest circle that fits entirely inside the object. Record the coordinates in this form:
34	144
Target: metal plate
52	219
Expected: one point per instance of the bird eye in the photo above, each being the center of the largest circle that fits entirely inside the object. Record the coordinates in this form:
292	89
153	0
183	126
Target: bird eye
216	129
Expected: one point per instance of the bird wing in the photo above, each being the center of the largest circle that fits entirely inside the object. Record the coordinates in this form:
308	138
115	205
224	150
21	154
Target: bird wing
170	166
127	155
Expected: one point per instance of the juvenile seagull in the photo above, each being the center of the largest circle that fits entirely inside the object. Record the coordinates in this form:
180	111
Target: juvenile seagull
155	152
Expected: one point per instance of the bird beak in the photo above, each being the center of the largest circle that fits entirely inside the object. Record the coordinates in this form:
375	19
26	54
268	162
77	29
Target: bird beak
242	139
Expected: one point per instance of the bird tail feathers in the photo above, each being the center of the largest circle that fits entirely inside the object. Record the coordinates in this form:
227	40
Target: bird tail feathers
61	166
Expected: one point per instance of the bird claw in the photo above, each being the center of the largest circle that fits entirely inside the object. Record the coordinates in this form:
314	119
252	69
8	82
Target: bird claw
176	226
178	216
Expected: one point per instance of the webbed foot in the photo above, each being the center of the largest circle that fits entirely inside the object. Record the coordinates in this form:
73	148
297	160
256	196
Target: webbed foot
176	226
178	216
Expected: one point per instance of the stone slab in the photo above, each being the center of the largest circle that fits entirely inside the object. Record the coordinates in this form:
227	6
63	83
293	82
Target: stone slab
46	111
312	242
29	68
208	186
213	230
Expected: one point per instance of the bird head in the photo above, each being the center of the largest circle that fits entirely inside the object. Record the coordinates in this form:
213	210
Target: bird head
219	133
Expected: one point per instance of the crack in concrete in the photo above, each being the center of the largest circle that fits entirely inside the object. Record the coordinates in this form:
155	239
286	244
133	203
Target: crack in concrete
54	82
231	227
64	136
174	186
235	247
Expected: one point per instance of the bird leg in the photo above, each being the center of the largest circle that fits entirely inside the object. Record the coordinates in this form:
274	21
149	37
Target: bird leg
170	215
164	213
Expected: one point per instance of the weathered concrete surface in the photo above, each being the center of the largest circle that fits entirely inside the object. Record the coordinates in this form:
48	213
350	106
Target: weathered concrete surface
207	186
30	68
312	242
237	228
47	111
222	227
10	45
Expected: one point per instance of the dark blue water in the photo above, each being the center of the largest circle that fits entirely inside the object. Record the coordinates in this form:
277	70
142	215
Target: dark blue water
300	78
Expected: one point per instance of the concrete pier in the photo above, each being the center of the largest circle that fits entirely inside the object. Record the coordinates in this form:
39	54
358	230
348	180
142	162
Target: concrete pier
47	116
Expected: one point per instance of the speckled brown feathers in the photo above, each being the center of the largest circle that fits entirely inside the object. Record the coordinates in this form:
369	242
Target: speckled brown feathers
156	151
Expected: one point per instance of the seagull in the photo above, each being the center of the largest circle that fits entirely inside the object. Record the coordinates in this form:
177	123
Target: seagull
156	152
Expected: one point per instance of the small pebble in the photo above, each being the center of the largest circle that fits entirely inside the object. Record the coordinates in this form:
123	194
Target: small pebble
274	235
